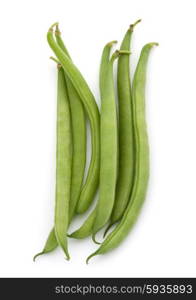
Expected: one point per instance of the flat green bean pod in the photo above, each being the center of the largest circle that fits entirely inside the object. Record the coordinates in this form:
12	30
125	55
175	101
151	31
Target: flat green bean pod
90	105
58	235
142	159
78	123
87	98
63	163
109	144
126	138
78	144
87	227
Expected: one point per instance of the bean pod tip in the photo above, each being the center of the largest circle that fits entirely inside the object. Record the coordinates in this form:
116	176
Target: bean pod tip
94	239
90	256
112	43
57	30
38	254
53	25
131	27
153	44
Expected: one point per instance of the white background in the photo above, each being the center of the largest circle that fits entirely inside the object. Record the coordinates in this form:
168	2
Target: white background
163	242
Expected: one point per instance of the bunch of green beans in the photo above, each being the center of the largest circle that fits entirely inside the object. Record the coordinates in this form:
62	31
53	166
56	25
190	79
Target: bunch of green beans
119	163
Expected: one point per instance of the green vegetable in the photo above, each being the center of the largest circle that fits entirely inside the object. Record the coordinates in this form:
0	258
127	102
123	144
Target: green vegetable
78	123
109	142
63	164
87	98
88	224
141	155
126	138
58	235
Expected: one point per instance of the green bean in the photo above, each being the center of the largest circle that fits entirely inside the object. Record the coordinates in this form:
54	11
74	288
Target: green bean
78	136
92	182
79	148
86	96
141	155
58	234
109	144
86	229
63	174
63	163
126	149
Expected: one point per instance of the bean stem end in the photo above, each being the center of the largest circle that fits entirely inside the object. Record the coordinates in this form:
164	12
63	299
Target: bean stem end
131	27
52	26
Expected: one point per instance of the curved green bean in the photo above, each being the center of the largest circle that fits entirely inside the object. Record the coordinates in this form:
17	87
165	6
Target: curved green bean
58	235
86	229
126	138
86	96
63	163
142	158
78	136
79	149
109	144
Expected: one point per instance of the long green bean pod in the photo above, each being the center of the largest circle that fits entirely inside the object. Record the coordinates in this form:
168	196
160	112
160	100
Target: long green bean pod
63	164
126	138
86	228
93	113
109	144
58	235
86	96
78	136
142	158
78	147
